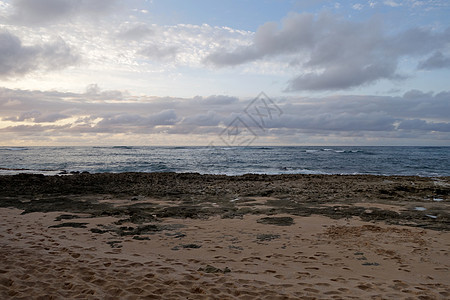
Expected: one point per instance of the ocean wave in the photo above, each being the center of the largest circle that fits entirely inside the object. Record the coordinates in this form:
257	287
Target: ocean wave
311	151
15	171
229	160
16	149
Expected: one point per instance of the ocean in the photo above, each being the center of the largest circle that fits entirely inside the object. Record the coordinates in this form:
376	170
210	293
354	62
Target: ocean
420	161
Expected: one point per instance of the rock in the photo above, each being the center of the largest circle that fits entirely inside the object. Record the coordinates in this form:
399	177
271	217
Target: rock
141	238
212	269
70	224
280	221
191	246
267	237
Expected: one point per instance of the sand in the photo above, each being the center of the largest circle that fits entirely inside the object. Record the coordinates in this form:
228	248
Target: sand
245	247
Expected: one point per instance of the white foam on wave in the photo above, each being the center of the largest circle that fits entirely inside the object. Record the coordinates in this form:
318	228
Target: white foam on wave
16	149
11	171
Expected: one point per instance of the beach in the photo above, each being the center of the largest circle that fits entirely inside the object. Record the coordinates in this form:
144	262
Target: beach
192	236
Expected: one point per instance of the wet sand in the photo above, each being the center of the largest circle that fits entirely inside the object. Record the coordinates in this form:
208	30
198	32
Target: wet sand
190	236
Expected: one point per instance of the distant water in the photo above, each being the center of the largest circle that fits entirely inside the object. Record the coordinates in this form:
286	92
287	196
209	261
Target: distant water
421	161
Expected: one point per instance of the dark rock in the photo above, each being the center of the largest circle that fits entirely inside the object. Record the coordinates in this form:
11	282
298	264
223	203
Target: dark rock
176	234
191	246
141	238
123	231
267	237
212	269
280	221
115	244
235	247
70	224
66	217
370	264
96	230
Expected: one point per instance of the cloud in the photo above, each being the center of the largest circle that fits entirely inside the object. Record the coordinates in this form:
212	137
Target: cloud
29	115
216	100
37	117
342	121
165	117
392	3
330	53
39	12
417	124
93	91
342	77
209	119
414	115
18	60
159	52
134	31
436	61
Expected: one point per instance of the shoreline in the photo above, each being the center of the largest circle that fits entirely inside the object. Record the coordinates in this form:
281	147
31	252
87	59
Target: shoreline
65	172
335	196
192	236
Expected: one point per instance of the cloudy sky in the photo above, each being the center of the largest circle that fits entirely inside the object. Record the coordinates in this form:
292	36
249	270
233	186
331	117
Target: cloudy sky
190	72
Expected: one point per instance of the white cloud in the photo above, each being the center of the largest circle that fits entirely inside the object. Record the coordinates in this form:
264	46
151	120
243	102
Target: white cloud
392	3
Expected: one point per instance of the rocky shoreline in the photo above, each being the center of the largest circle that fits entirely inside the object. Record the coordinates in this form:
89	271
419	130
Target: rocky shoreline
392	199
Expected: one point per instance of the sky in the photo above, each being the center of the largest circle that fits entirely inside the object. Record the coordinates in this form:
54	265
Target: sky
235	73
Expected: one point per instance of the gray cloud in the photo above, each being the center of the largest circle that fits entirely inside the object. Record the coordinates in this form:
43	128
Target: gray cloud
29	115
436	61
50	118
216	100
416	114
18	60
417	124
38	12
165	117
134	31
37	117
93	91
209	119
159	52
331	53
344	121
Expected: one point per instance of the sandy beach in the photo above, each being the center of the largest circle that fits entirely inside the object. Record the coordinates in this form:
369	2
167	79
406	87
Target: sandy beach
191	236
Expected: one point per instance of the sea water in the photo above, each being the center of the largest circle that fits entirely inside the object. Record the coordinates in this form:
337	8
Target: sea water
421	161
